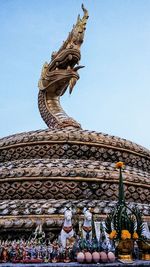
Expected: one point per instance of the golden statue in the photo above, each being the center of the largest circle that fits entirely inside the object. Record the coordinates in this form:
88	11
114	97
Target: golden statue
60	73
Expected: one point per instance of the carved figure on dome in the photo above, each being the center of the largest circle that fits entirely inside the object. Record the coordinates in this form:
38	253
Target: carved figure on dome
60	73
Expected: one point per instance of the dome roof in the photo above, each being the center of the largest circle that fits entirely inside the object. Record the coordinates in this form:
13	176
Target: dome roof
70	164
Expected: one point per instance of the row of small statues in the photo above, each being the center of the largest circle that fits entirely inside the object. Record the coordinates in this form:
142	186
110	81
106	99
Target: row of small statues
21	251
30	251
66	248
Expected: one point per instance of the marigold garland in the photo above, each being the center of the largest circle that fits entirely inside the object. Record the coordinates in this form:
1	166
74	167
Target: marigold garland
125	235
113	234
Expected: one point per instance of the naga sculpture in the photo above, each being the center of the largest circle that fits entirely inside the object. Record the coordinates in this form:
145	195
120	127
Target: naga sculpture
60	73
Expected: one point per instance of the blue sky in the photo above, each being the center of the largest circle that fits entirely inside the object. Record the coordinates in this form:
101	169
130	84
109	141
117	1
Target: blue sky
113	93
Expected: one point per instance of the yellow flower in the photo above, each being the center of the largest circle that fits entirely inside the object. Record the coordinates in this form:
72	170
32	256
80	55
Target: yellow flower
119	165
113	234
125	235
135	235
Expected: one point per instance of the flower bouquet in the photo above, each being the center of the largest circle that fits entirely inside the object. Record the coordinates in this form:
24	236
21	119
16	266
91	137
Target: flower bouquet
124	224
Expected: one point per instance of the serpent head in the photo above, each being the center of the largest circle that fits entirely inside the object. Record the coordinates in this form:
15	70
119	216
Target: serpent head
62	69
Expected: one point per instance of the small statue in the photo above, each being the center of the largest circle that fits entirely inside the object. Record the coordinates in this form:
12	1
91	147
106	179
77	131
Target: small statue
67	229
55	252
87	224
67	257
5	252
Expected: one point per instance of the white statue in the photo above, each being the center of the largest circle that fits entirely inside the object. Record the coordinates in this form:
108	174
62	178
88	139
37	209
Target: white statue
67	230
87	224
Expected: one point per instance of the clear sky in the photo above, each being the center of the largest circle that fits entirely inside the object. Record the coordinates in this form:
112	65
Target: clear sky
113	93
